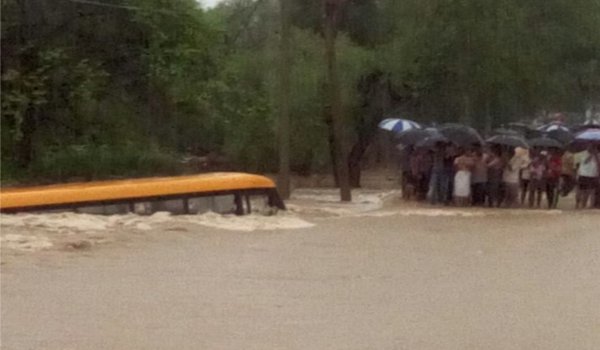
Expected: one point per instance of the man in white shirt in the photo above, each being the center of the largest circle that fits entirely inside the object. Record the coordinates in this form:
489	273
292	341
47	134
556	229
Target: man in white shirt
588	167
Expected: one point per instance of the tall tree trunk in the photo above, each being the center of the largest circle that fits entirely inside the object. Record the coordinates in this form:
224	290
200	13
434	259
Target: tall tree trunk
354	160
283	178
331	143
377	95
332	10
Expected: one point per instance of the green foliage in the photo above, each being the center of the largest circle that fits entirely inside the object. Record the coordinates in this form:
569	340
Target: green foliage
99	91
510	58
99	161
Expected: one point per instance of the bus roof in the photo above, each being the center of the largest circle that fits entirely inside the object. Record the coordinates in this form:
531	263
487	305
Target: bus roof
115	190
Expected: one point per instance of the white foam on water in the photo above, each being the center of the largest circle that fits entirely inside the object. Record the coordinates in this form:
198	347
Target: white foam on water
248	223
33	232
327	202
25	242
56	222
441	212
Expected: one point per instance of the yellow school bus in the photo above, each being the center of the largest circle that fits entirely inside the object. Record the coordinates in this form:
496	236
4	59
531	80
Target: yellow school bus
235	193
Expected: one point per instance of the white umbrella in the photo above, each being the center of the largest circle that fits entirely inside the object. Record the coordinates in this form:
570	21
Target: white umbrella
398	125
588	135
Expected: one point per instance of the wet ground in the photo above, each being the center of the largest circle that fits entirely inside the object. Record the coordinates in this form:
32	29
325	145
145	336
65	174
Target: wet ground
324	276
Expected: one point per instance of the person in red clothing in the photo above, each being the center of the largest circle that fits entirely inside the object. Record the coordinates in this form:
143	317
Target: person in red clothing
553	172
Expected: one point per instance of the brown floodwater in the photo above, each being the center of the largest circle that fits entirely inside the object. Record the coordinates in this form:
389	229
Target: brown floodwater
395	278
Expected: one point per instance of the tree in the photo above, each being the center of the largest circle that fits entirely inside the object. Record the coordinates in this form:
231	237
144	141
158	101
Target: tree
283	180
332	10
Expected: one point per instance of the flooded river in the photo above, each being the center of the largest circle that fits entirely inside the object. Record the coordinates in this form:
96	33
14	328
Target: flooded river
322	276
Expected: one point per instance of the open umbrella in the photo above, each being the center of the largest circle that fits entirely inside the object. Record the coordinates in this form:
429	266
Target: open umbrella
432	141
412	136
561	135
398	125
527	130
584	138
505	131
508	140
461	135
545	142
519	125
591	135
553	126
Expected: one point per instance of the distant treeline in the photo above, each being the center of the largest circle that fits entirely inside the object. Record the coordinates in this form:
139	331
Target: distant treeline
104	88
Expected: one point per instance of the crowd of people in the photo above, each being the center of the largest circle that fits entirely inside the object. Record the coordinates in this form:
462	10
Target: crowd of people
500	176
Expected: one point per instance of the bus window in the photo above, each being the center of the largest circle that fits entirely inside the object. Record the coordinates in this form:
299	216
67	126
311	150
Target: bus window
114	209
142	208
91	209
259	203
174	206
199	205
224	204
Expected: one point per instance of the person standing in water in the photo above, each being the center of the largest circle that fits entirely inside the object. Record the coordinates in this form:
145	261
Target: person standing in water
537	170
553	177
568	175
525	178
588	169
495	164
438	185
479	178
517	160
462	179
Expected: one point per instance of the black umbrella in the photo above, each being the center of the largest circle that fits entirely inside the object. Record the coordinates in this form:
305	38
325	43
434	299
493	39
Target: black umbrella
508	140
561	135
545	142
504	131
432	141
527	130
413	136
519	125
461	135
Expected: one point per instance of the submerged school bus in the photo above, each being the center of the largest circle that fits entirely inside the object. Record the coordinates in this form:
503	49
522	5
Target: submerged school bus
225	193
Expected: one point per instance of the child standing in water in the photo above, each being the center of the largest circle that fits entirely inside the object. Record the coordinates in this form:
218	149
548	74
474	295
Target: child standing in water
462	179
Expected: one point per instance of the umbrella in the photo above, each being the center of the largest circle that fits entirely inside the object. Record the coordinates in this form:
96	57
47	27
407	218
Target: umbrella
584	138
508	140
412	136
461	135
519	125
398	125
545	142
431	141
504	131
591	135
561	135
553	126
557	131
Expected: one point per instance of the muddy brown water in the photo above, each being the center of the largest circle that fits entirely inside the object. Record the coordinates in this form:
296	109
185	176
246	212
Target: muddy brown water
503	280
